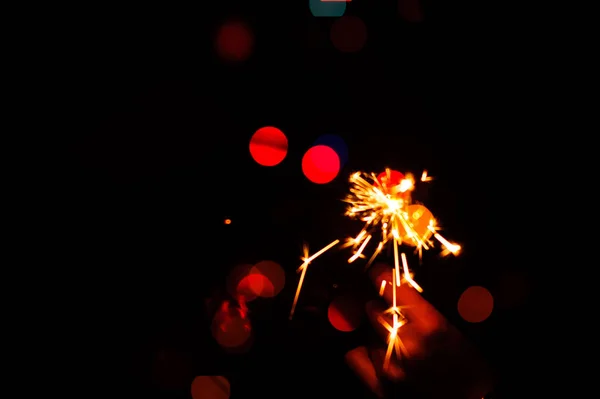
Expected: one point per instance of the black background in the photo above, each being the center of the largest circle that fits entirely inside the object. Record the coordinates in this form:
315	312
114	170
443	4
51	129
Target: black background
160	159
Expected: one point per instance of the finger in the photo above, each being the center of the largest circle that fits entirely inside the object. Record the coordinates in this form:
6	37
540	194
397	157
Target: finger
359	361
416	309
376	313
408	334
393	372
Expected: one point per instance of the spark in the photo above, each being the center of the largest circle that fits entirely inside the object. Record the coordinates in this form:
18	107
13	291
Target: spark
304	267
384	204
426	178
398	320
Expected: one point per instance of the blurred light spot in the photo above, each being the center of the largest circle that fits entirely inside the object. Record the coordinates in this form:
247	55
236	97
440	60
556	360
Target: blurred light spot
268	146
247	282
275	276
345	314
420	217
391	179
171	369
511	290
320	8
231	327
337	144
475	304
235	282
320	164
410	10
349	34
210	387
253	285
234	41
227	221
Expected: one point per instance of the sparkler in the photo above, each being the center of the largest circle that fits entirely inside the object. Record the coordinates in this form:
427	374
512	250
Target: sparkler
384	203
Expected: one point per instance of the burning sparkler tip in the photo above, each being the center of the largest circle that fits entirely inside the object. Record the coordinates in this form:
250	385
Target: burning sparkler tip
383	202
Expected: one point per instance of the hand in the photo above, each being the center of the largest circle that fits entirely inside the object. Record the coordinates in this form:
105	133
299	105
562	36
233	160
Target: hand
436	360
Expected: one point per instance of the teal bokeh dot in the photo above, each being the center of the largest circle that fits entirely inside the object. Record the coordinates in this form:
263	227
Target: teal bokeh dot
327	8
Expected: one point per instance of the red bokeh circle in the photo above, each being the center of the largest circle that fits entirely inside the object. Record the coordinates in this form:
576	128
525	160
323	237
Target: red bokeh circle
234	41
390	180
349	34
230	326
344	314
273	278
410	10
210	387
475	304
320	164
268	146
255	285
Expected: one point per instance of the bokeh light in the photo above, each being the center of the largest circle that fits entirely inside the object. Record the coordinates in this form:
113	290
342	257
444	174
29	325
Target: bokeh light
210	387
227	221
410	10
274	275
345	313
234	41
475	304
320	8
337	144
268	146
247	282
235	277
254	285
390	179
349	34
320	164
420	217
231	326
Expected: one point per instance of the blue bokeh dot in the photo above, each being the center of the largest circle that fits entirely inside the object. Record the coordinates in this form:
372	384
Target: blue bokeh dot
327	8
337	144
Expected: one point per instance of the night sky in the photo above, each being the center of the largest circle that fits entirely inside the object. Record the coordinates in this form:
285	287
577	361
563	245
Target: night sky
160	158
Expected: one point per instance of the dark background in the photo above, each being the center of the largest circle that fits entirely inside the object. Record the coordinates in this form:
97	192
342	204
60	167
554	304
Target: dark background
161	159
